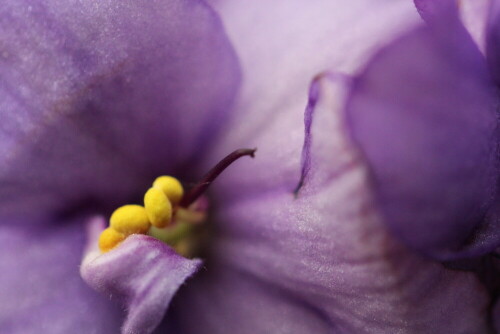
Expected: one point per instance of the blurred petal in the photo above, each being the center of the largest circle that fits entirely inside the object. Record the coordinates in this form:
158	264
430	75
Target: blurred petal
99	97
40	286
424	112
324	258
493	40
142	272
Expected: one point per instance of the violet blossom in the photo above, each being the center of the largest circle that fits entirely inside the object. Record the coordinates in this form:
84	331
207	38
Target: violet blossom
100	97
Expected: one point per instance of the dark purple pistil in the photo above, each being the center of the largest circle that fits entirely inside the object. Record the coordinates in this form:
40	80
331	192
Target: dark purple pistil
212	174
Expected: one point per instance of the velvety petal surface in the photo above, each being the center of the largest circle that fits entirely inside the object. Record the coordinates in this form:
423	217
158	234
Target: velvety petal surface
99	97
424	113
320	261
142	273
41	290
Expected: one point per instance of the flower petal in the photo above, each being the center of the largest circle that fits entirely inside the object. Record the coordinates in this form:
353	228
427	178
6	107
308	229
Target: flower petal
293	41
142	272
325	254
98	98
424	112
224	300
40	286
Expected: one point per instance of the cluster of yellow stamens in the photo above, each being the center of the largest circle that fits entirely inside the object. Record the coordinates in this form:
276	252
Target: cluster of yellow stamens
160	202
168	215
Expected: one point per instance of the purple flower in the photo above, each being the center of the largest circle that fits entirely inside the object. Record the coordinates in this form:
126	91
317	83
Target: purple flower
100	97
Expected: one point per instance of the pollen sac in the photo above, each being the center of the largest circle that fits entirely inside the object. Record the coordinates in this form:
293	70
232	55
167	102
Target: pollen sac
109	239
130	219
158	207
171	187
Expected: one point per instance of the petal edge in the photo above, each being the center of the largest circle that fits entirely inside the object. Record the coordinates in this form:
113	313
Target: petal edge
142	272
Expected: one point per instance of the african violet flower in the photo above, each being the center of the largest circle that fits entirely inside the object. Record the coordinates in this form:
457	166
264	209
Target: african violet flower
99	98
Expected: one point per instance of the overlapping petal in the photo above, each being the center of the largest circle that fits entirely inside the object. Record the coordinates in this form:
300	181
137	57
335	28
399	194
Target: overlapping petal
293	41
323	256
427	126
142	273
99	97
40	287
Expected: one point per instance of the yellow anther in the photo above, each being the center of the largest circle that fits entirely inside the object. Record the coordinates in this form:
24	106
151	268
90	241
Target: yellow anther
158	207
109	239
171	187
130	219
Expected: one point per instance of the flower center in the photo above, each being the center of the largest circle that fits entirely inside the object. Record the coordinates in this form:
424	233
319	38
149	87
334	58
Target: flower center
168	214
